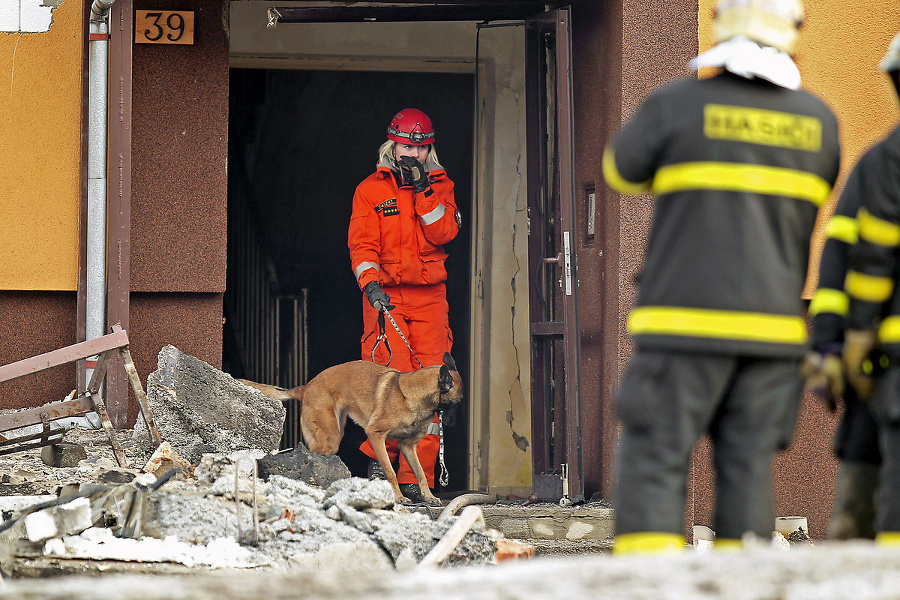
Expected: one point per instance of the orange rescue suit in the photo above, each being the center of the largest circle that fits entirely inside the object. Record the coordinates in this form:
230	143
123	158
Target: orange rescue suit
396	238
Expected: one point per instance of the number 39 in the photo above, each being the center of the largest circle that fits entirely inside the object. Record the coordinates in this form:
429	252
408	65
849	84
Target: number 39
174	25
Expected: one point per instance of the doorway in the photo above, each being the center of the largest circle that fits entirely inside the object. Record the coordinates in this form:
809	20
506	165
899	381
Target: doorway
299	142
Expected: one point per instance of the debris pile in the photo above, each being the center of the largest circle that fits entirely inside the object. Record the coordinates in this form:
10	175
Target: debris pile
214	495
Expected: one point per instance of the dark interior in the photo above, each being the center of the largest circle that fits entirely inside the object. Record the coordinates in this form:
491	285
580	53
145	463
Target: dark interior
300	141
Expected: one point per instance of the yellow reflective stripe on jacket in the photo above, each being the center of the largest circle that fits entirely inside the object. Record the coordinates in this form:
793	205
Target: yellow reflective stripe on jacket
843	228
615	180
737	177
724	324
889	331
832	301
868	287
878	231
648	543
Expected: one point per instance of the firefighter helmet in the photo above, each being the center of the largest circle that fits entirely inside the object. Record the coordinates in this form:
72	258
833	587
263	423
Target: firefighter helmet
891	60
772	23
411	126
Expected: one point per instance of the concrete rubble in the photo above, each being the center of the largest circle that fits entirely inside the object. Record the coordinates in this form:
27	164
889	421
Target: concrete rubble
215	495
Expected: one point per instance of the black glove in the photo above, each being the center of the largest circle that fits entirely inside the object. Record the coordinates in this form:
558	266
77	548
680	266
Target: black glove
378	298
413	173
858	347
824	375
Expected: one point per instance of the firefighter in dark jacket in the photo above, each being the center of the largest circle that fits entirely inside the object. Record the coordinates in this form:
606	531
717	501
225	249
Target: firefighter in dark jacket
740	164
856	438
871	351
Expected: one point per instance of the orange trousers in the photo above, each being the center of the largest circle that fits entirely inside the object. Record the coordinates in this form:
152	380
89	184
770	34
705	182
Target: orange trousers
421	313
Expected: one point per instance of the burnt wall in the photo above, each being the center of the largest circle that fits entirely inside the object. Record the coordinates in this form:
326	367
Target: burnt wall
623	51
32	323
179	191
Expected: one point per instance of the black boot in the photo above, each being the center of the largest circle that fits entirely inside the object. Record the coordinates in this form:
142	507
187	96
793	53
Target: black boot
375	470
412	491
853	515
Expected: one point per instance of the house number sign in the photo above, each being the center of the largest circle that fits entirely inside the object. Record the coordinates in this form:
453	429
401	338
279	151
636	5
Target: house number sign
163	27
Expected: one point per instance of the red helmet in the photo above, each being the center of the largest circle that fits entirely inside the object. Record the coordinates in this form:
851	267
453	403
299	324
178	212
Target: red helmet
411	126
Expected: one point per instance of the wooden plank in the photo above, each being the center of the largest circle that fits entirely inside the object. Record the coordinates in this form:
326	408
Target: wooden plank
62	356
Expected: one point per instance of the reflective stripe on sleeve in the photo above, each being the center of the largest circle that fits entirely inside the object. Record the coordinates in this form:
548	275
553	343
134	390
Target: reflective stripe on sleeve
889	331
722	324
878	231
843	228
434	215
868	288
433	429
615	180
830	301
737	177
363	267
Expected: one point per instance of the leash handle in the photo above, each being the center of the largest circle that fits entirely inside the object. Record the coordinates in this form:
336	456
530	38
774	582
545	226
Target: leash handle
445	474
382	337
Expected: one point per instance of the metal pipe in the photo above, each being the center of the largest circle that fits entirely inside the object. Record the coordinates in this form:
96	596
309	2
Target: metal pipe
97	176
100	9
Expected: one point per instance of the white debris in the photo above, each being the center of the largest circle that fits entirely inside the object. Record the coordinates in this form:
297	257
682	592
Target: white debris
99	543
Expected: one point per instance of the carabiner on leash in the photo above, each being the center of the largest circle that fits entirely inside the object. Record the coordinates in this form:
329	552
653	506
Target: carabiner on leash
382	337
445	474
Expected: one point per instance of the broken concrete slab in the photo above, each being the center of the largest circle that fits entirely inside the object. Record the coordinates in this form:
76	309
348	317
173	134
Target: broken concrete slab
63	454
200	409
300	463
65	519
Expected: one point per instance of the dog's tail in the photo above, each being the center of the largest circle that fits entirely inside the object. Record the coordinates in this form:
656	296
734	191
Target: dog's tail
275	392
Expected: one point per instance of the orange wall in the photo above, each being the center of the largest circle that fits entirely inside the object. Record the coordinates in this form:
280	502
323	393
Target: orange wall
40	154
841	44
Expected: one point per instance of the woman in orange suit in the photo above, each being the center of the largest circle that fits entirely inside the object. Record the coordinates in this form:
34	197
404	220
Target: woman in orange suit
402	215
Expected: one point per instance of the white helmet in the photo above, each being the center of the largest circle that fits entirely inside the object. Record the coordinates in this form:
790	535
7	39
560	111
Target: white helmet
891	60
772	23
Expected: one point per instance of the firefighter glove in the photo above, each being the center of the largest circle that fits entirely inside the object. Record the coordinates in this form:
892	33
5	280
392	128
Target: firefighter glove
824	376
378	298
413	173
858	347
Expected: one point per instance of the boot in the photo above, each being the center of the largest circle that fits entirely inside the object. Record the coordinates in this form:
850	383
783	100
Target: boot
375	470
412	491
853	515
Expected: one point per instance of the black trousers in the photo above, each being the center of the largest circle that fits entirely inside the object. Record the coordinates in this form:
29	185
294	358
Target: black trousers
748	405
856	438
885	407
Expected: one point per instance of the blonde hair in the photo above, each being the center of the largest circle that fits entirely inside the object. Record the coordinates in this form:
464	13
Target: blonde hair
386	156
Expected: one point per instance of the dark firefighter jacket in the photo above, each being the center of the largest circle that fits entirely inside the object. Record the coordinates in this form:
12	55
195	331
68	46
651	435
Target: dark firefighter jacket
874	263
740	168
830	303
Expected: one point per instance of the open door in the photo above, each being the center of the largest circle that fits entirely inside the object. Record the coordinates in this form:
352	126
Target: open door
555	337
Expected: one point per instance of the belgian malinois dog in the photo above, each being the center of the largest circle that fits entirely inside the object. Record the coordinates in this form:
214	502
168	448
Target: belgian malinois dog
387	404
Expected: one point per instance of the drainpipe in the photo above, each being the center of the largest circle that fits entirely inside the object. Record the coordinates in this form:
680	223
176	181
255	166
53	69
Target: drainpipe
95	324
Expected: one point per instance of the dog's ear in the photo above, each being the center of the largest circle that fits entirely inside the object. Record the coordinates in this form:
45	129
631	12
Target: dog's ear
445	380
448	360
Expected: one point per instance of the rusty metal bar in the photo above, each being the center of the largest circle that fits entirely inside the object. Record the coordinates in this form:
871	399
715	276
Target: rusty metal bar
141	396
55	410
485	11
63	356
118	275
100	407
44	436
